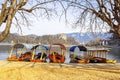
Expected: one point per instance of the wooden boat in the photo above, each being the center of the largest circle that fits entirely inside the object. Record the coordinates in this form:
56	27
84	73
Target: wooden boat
75	58
15	52
111	61
99	56
25	57
32	56
13	58
57	57
97	60
83	61
41	56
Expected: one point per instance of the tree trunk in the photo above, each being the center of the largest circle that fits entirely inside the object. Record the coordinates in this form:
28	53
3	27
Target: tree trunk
118	31
4	34
10	14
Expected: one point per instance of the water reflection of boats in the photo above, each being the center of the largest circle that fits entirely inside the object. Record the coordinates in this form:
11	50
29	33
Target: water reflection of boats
15	52
78	58
57	57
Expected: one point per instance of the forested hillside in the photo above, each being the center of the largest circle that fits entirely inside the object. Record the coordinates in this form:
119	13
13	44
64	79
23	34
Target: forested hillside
46	39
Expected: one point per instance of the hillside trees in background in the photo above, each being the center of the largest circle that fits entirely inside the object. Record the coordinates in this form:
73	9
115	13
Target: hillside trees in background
50	39
46	39
19	39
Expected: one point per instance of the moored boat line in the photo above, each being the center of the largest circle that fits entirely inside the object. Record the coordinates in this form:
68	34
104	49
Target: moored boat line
95	55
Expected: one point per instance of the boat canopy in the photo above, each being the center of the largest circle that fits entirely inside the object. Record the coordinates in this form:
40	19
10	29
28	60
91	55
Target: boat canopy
18	45
81	48
61	45
34	47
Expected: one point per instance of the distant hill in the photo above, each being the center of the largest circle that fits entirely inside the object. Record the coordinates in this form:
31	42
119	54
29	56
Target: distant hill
46	39
71	38
86	37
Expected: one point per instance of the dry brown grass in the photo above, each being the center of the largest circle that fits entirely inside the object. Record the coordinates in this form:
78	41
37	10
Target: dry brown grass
52	71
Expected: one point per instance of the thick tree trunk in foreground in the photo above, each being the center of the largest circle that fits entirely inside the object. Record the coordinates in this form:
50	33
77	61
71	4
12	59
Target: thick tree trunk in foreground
10	8
118	31
6	16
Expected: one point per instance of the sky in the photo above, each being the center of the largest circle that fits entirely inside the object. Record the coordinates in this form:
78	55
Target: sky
42	27
45	27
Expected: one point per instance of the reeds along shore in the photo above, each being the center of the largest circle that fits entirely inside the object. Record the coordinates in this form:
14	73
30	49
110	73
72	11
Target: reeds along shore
55	71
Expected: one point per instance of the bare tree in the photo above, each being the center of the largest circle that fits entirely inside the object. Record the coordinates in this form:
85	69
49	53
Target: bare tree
90	14
95	14
17	12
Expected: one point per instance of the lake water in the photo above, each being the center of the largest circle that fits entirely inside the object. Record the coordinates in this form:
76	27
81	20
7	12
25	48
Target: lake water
5	50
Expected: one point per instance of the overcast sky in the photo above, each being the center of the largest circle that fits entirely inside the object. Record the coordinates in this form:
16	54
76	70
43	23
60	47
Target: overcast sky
45	27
